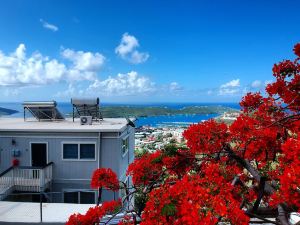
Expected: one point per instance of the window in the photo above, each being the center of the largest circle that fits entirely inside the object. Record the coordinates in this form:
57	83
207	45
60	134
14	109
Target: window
70	151
87	151
71	197
79	151
79	197
87	197
125	145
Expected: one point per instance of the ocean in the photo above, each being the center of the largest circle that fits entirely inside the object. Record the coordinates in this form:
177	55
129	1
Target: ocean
155	121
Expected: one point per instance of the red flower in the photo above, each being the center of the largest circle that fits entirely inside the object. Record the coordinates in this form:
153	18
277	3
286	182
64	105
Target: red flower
94	214
297	49
284	68
146	169
207	137
251	101
105	178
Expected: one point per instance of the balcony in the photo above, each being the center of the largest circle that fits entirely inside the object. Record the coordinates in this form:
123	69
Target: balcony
25	178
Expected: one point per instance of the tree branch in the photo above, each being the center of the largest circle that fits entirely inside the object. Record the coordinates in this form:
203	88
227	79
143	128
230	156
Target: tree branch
268	189
282	215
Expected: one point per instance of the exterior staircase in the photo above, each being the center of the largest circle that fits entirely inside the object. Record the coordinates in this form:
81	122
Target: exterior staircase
25	178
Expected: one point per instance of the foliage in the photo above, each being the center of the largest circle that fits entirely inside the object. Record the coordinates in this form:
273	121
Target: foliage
229	172
94	214
121	111
105	178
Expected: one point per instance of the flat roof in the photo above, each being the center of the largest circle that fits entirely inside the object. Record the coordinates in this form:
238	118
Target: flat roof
32	125
29	212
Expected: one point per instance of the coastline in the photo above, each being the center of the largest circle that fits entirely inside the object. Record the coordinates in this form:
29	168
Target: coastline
181	114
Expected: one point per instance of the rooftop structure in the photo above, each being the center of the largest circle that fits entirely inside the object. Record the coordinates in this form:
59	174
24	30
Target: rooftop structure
86	107
67	125
43	110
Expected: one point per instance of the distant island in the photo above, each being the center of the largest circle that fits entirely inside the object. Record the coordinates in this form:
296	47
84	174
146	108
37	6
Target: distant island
146	111
7	112
135	111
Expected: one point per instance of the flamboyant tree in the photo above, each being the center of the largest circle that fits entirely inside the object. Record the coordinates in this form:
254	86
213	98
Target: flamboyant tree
228	173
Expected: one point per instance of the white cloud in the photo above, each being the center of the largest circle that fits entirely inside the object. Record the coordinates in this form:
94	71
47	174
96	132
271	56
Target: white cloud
138	57
232	83
85	64
16	69
230	88
256	84
49	26
123	84
174	86
127	45
84	60
127	50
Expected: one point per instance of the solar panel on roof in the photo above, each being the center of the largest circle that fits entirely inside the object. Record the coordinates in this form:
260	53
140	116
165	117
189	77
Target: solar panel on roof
86	107
43	110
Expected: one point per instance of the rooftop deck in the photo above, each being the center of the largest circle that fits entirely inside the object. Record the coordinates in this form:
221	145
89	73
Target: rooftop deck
106	125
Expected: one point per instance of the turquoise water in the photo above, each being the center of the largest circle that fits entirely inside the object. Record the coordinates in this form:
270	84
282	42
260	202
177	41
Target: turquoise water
173	120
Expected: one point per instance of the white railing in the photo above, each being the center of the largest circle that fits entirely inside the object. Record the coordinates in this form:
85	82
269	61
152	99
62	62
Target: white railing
6	183
26	178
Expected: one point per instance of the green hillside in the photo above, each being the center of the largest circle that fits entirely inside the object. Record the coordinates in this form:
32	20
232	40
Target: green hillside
123	111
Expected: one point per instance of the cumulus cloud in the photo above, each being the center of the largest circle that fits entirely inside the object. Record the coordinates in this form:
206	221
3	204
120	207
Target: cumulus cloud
230	88
123	84
16	69
85	65
231	84
127	50
48	26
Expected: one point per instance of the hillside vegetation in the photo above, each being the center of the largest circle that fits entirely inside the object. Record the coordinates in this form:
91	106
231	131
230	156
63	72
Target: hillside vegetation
121	111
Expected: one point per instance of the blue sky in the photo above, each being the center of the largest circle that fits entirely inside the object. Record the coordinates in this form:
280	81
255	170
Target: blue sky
142	51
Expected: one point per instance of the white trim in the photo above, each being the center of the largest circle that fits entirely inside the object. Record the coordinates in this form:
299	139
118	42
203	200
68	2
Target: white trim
78	150
127	150
44	137
38	142
99	149
70	137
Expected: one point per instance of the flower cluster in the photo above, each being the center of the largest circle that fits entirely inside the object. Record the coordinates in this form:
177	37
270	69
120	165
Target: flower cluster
105	177
289	177
208	137
251	101
94	214
146	169
297	49
287	84
195	199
